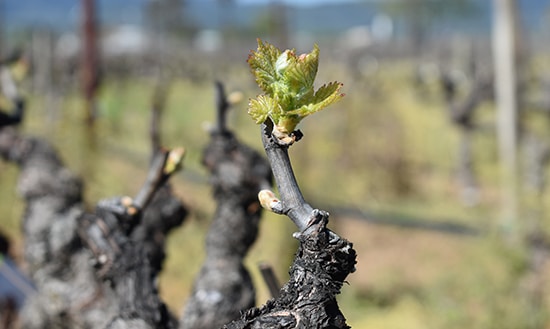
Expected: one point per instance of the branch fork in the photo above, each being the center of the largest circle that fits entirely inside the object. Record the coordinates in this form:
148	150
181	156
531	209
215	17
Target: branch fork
120	215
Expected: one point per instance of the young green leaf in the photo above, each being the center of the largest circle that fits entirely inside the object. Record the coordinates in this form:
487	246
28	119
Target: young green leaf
287	81
260	107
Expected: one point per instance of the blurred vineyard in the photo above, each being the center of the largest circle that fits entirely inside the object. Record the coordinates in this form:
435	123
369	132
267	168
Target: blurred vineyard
383	162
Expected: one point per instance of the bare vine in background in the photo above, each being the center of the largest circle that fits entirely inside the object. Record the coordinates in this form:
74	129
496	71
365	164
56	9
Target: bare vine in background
127	236
223	288
461	114
166	211
121	261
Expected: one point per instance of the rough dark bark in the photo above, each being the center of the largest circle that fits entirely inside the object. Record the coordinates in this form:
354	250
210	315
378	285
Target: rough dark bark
69	296
165	213
323	261
223	287
122	260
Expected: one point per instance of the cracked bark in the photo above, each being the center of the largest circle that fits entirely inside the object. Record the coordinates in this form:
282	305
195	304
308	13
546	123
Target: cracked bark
223	287
122	259
127	238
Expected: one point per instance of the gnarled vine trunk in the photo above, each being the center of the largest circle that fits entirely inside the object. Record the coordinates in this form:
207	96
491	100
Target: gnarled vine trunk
68	295
127	262
223	288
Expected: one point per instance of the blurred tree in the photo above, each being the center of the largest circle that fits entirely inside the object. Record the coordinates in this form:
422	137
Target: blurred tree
419	16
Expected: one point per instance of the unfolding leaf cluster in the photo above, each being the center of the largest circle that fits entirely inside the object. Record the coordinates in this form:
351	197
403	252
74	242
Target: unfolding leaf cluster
288	84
